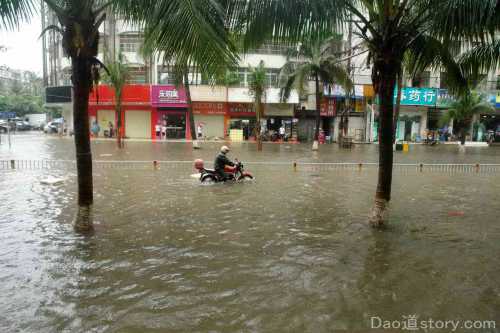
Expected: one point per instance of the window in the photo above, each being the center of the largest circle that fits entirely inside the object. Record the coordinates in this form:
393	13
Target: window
130	42
243	77
270	48
273	77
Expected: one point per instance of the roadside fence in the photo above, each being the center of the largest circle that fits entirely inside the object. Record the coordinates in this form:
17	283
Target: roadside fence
15	164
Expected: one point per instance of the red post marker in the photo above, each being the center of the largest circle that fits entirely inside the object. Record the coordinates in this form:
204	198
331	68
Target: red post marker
456	213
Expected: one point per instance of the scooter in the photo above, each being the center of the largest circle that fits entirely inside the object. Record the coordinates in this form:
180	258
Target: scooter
235	173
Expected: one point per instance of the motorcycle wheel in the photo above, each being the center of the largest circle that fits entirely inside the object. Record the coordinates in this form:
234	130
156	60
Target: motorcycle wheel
246	177
208	179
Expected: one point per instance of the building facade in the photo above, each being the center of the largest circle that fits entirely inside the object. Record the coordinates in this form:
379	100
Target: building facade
220	110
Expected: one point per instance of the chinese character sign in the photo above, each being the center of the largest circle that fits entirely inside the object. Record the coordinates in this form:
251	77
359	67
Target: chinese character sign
168	96
417	96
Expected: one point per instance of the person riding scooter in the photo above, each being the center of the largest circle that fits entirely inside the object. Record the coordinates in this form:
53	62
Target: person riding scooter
221	161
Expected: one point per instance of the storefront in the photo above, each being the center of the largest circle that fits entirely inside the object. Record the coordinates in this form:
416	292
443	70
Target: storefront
354	120
328	111
170	112
487	122
212	118
419	113
136	111
242	121
277	116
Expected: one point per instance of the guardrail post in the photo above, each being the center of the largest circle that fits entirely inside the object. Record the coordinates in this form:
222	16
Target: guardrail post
294	166
421	166
12	164
360	166
477	167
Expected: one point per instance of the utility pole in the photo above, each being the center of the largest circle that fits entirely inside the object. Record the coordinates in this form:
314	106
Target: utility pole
344	121
44	47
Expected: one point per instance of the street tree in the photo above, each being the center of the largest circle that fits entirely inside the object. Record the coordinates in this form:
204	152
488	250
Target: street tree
257	85
462	112
117	75
188	29
388	29
316	58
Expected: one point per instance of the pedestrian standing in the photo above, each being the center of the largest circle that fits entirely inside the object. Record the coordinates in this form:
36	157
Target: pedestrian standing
158	130
164	131
95	129
282	132
200	131
111	129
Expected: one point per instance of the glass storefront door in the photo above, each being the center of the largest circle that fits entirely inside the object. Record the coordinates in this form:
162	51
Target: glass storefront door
173	124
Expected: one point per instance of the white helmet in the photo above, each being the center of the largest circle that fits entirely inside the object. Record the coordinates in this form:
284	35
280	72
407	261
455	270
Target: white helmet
224	149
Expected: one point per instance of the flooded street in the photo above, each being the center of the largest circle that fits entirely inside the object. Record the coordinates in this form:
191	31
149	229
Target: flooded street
288	252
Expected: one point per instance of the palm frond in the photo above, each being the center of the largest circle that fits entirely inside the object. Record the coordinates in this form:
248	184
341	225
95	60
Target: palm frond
118	73
427	52
463	109
456	19
332	73
191	31
257	83
51	27
12	12
481	58
290	20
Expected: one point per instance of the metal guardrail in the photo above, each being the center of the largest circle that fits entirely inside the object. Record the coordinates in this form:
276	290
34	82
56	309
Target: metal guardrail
291	165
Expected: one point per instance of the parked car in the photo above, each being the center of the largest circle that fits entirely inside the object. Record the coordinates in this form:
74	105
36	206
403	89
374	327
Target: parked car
3	126
51	127
22	126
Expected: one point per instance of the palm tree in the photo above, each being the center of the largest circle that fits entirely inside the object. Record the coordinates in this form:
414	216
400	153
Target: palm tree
314	58
388	29
257	86
463	110
117	76
79	23
189	29
206	47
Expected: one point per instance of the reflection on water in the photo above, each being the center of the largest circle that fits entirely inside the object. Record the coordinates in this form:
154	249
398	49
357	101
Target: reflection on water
290	252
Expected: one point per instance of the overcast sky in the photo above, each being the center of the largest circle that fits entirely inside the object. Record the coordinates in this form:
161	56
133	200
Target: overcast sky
24	48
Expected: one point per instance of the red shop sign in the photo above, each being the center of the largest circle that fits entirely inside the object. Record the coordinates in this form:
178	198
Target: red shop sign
208	108
236	109
327	107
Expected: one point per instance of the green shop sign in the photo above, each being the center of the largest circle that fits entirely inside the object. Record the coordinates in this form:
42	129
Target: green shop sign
418	96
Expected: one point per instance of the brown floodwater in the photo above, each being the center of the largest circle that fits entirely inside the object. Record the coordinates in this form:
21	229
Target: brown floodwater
288	252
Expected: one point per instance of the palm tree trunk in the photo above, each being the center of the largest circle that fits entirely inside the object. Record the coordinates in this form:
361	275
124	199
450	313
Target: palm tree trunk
398	105
81	88
192	126
119	131
462	134
318	108
384	78
318	113
258	113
